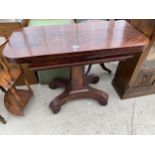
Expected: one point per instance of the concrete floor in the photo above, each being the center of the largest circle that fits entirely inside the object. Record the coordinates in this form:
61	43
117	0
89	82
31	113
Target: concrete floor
131	116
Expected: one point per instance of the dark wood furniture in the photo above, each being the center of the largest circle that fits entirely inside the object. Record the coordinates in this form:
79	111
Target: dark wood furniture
74	46
7	26
136	77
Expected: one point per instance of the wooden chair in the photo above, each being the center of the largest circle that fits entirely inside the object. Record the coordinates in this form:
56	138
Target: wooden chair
15	100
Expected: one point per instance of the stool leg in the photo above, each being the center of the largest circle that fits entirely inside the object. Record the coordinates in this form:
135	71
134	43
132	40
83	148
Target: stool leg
88	70
105	68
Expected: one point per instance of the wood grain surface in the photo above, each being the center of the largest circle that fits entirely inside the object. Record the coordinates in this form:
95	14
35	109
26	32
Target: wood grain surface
71	39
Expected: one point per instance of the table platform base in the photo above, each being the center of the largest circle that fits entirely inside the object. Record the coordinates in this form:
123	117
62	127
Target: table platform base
76	88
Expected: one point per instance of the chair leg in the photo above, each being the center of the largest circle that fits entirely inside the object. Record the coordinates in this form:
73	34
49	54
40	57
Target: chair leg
88	70
105	68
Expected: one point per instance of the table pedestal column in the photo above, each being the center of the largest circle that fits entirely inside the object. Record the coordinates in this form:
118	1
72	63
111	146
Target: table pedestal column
77	87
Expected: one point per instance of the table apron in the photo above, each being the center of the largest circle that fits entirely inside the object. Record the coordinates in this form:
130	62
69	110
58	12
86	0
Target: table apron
75	62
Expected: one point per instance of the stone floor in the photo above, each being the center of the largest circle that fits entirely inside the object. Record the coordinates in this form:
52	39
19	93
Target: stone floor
131	116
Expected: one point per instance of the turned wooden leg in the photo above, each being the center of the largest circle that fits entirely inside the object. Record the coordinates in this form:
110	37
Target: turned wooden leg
77	88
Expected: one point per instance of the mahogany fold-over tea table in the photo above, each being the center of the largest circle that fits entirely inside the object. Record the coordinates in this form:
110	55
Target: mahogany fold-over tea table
74	46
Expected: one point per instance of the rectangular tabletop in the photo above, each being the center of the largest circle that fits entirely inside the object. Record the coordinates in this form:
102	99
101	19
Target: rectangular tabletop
87	38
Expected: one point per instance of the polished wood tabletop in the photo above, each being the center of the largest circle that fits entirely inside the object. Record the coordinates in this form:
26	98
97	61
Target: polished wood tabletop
81	38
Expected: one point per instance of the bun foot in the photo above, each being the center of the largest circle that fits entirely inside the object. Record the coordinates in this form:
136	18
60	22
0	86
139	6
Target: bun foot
52	86
93	79
103	103
55	109
59	83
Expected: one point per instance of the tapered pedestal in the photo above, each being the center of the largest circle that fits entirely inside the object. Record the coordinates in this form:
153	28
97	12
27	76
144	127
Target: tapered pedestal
75	88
